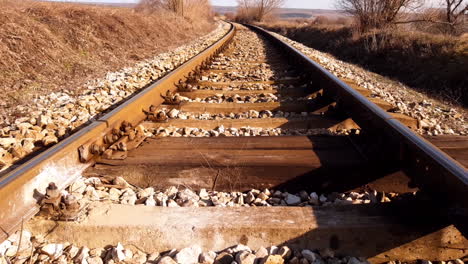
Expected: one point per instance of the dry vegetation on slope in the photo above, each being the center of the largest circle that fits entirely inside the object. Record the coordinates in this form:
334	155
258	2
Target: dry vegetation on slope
49	46
431	63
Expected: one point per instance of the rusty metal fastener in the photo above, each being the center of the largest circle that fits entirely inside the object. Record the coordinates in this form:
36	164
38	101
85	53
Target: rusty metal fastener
131	135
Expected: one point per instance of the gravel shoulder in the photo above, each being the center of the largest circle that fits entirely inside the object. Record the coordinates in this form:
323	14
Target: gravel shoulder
24	247
49	118
119	191
436	117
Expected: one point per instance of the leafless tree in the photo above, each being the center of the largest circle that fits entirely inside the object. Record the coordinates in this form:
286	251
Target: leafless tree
449	18
371	14
190	9
244	4
455	12
244	11
266	7
256	10
176	6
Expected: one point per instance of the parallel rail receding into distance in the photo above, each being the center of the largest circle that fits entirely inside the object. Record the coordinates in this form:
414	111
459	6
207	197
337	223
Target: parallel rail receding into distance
432	167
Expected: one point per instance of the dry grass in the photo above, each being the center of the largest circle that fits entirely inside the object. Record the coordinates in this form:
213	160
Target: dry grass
194	10
433	64
49	46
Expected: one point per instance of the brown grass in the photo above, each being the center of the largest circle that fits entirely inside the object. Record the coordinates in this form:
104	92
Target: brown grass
45	47
431	63
194	10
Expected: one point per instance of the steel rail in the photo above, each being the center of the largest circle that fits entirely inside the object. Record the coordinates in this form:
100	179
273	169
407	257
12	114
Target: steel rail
430	167
22	188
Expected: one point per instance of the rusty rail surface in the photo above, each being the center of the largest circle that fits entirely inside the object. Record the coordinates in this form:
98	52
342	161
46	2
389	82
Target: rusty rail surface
431	168
22	188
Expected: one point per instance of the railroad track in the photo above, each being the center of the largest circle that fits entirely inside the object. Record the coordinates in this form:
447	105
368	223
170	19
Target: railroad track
249	143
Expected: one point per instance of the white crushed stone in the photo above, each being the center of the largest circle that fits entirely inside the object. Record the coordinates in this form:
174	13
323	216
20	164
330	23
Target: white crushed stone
251	114
436	117
102	190
43	251
52	117
24	247
246	131
221	98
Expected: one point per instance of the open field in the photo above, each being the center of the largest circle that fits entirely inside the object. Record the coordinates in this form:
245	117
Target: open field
288	13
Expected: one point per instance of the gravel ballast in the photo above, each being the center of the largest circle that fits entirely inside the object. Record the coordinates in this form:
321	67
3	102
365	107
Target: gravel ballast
50	118
436	118
119	191
24	247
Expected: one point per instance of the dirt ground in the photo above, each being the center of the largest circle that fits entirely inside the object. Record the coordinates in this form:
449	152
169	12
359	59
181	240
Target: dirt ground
47	47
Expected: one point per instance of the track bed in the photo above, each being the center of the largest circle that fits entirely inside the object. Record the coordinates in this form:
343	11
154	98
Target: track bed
250	151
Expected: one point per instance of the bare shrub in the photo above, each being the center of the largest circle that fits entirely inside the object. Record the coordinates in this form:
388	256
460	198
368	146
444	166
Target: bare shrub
325	20
426	21
191	9
449	19
375	14
245	11
256	10
230	16
455	13
343	21
153	5
266	7
198	9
